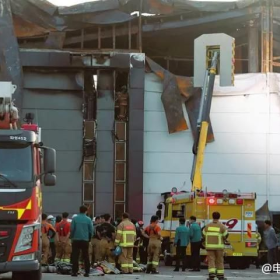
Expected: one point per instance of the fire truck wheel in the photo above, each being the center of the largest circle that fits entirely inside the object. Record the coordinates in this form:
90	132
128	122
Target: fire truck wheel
30	275
233	264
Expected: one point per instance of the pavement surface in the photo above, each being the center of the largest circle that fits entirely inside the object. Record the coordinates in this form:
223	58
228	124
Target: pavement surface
167	273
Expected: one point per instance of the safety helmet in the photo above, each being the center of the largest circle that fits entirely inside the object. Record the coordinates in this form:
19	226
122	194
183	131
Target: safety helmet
50	217
140	223
118	251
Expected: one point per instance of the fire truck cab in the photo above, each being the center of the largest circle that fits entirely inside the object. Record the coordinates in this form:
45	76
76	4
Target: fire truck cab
24	163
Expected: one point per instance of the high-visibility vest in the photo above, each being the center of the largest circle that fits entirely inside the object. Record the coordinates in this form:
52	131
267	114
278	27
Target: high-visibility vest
215	234
126	234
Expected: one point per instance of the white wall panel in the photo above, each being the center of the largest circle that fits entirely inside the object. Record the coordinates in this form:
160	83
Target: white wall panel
150	203
234	183
237	143
235	164
164	142
261	199
274	165
274	103
155	121
240	104
164	182
274	122
273	201
153	83
151	102
167	162
239	122
274	185
274	143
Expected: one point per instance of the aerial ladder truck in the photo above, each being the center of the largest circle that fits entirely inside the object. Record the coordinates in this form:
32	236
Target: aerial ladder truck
237	209
25	163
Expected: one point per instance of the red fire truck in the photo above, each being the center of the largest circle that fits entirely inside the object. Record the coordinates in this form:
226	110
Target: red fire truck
24	163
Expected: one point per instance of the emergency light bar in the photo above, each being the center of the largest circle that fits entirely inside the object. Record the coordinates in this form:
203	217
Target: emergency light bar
231	201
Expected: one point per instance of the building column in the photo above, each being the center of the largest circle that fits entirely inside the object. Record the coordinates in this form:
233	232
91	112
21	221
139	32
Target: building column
253	47
104	173
136	136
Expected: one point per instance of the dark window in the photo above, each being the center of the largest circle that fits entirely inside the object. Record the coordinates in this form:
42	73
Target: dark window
88	192
179	213
120	192
120	131
16	162
88	169
119	210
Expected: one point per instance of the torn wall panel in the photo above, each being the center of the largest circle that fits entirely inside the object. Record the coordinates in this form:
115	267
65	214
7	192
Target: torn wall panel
174	87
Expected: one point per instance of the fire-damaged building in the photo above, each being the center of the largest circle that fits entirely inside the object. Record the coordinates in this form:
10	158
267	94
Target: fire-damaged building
110	83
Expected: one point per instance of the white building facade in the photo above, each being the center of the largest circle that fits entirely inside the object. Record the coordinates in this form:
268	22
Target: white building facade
245	155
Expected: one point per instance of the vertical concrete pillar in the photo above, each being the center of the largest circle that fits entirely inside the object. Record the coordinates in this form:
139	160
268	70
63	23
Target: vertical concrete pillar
104	189
253	47
136	136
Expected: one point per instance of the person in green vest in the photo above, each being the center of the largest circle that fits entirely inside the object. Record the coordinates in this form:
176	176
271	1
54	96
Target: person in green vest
182	240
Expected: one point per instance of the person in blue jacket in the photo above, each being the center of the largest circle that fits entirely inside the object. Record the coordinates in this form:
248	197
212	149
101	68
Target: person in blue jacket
182	240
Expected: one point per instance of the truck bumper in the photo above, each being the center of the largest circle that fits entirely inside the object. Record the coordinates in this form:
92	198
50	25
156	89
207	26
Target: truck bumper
19	266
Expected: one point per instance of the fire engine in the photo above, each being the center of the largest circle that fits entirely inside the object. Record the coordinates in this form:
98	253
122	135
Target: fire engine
237	213
237	209
24	163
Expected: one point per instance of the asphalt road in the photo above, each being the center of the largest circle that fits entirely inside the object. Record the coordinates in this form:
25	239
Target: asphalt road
167	273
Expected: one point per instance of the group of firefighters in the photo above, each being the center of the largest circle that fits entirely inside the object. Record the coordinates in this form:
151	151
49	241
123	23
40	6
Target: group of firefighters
60	236
66	239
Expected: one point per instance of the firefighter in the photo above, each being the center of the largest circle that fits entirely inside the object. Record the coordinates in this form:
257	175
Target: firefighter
153	231
58	219
52	220
138	252
107	233
48	232
215	234
125	238
64	247
95	242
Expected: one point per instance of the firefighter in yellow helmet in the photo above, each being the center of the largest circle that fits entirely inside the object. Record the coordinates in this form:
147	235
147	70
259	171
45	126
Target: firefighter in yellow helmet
125	238
215	234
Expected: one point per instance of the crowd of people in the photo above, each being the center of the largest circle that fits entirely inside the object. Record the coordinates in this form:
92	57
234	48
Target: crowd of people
83	240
